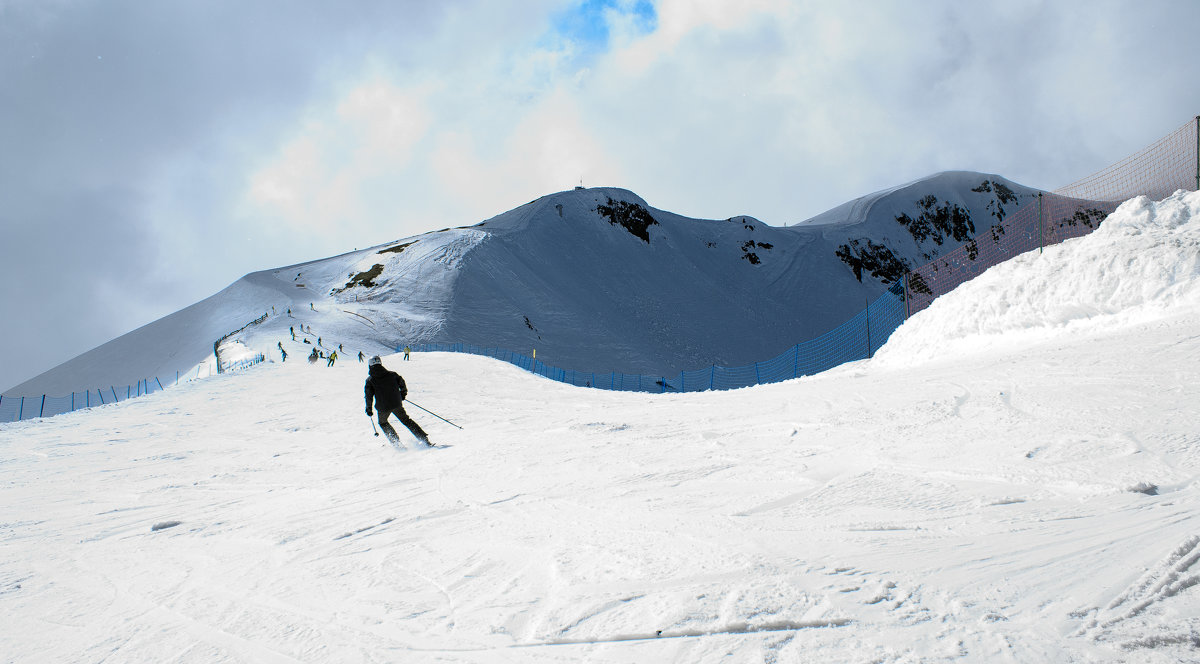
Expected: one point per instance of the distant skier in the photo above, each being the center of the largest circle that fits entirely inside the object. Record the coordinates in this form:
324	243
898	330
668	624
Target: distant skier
360	356
332	358
339	348
388	390
406	351
293	331
283	355
312	357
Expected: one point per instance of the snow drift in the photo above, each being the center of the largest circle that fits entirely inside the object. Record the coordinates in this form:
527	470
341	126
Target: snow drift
1141	264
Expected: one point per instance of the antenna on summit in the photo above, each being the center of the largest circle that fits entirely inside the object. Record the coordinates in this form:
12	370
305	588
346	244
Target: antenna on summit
580	185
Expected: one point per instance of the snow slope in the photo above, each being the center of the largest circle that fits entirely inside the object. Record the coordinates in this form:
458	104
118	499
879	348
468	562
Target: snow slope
594	279
1024	497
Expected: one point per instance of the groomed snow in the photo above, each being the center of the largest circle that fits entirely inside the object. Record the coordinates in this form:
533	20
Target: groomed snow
1027	496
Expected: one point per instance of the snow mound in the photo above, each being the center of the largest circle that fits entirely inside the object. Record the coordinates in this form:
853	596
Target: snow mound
1142	264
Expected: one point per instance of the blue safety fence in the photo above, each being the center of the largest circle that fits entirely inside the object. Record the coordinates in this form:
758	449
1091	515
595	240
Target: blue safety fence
856	339
14	409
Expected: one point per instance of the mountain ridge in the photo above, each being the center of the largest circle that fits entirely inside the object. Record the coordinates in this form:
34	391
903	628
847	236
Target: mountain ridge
592	278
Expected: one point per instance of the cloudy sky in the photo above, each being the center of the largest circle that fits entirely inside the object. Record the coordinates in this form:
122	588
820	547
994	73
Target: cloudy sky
153	152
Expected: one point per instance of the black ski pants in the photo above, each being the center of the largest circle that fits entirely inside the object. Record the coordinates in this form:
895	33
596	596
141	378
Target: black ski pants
404	419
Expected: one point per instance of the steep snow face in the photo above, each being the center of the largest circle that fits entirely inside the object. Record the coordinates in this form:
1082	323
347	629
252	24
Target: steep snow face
599	280
1143	262
177	342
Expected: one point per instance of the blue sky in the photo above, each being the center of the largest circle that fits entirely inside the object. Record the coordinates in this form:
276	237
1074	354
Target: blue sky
153	153
588	23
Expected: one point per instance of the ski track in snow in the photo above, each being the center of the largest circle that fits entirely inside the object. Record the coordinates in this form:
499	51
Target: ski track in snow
900	518
980	506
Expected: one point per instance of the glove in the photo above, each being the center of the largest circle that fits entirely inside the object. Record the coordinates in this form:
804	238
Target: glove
370	412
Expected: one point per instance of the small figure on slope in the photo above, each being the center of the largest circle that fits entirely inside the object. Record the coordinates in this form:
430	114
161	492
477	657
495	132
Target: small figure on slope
312	357
332	358
388	390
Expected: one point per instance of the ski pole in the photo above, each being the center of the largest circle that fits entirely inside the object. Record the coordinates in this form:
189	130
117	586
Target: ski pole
373	426
435	414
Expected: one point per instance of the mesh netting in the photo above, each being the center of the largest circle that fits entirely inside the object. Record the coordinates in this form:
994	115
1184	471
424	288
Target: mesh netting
856	339
13	409
1047	220
1156	172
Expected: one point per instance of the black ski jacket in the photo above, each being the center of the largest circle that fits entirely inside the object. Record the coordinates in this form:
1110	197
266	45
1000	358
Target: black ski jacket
386	387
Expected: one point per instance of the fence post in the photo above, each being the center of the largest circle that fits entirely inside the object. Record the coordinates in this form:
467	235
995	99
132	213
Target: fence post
114	391
72	401
907	306
42	411
1039	222
712	376
867	311
1198	153
21	409
160	387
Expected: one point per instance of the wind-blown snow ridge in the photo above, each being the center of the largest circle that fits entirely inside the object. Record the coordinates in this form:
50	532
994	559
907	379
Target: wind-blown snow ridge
1142	263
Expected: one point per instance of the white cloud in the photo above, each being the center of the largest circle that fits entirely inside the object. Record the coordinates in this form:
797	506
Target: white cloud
343	154
772	108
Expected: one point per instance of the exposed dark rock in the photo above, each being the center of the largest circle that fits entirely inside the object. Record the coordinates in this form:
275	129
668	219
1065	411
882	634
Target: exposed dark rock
878	259
633	217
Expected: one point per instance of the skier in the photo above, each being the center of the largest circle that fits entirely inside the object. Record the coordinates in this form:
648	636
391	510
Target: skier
312	357
293	331
332	358
360	357
388	390
406	350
